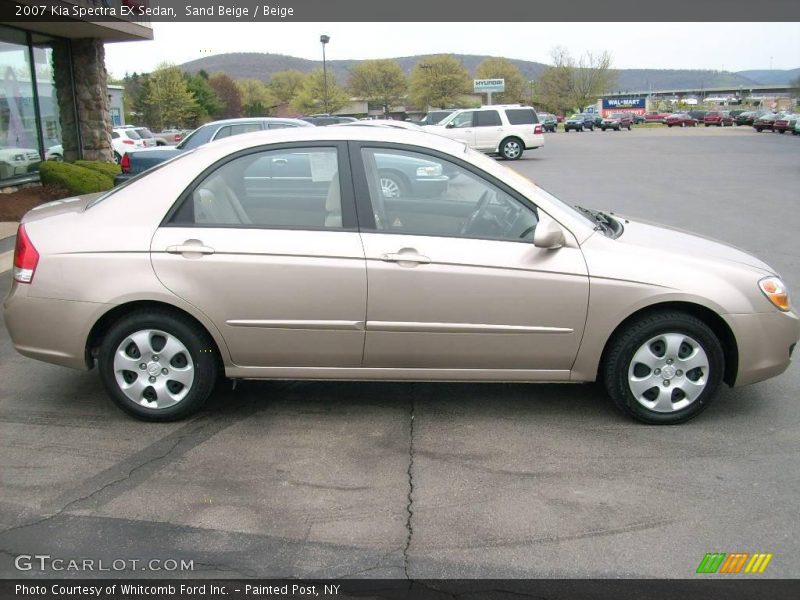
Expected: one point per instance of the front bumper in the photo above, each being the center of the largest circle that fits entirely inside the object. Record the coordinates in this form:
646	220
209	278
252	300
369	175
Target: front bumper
764	341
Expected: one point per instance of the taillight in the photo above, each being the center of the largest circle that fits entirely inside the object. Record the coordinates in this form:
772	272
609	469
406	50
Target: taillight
537	129
25	257
178	137
125	163
131	142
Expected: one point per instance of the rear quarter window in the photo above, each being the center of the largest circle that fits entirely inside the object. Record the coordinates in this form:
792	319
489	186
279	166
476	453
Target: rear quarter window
521	116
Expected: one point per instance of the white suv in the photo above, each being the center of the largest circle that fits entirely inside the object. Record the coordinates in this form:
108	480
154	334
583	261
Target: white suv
507	130
124	139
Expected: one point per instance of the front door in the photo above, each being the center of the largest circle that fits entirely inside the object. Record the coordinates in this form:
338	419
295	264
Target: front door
455	281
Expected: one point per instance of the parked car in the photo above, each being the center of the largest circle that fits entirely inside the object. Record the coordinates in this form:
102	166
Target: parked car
434	117
720	118
507	130
747	117
698	115
655	117
680	120
617	121
785	122
735	113
597	118
172	137
55	152
637	118
548	121
134	163
323	120
123	140
17	161
766	121
579	122
796	130
226	273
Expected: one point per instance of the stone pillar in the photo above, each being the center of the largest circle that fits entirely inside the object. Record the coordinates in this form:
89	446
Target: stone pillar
81	88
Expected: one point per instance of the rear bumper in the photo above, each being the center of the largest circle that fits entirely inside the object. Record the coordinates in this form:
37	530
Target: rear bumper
765	341
53	331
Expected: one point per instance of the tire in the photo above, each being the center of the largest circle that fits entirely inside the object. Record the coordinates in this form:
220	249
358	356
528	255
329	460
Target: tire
652	337
629	127
706	124
617	129
393	185
184	375
117	157
511	148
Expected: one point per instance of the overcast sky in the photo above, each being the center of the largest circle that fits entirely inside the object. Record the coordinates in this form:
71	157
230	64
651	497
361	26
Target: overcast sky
729	46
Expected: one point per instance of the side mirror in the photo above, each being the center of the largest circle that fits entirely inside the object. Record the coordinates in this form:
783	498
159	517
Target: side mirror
548	235
450	125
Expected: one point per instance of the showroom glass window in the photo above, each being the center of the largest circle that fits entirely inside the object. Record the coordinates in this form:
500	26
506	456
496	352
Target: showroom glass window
19	137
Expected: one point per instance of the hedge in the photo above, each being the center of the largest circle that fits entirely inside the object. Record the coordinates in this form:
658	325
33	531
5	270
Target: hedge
106	168
75	178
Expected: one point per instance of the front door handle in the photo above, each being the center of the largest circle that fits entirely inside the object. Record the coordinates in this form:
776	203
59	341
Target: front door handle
407	257
190	247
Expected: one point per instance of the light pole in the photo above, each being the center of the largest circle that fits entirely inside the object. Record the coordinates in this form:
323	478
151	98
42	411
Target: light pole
324	39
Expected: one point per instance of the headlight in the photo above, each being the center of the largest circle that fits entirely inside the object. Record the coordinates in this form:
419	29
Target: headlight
19	157
431	171
775	291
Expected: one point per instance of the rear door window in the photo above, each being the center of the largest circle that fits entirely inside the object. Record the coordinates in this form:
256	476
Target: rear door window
488	118
239	128
521	116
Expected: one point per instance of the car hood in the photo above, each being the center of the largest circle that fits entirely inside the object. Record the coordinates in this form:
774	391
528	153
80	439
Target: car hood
691	246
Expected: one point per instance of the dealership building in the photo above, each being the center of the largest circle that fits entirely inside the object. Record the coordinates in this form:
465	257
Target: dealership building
53	90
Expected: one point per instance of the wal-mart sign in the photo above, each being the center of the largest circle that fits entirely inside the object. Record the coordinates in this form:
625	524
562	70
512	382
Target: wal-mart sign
488	86
620	103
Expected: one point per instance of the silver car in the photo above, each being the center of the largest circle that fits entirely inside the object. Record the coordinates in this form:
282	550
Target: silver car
277	255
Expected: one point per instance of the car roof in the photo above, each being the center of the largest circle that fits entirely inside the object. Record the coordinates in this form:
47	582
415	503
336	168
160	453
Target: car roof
335	134
221	122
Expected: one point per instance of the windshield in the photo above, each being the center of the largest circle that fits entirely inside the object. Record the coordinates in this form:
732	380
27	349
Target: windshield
131	133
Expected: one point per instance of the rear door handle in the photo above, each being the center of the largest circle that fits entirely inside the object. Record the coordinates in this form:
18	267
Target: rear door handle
406	257
187	248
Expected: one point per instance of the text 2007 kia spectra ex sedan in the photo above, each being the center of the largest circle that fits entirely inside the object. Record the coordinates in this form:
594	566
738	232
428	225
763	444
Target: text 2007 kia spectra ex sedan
280	255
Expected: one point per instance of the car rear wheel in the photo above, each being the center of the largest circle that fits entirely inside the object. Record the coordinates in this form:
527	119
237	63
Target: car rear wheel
117	158
664	368
157	366
511	148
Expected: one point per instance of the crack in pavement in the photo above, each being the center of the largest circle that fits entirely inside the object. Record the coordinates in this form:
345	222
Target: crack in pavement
410	505
137	468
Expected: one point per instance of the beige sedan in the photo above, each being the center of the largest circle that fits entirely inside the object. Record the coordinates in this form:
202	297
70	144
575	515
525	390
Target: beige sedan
277	255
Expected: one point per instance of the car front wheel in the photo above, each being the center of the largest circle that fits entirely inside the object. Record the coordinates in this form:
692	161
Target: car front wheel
157	366
511	149
664	368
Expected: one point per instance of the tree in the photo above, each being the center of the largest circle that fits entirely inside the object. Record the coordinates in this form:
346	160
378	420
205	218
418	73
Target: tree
592	76
257	99
502	68
379	82
569	85
208	102
167	102
438	81
229	94
285	85
310	98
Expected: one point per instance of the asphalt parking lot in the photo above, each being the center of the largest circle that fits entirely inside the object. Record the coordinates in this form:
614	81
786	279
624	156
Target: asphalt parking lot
296	479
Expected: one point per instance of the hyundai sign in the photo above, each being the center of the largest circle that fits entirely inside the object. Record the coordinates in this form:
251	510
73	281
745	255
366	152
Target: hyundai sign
624	103
488	86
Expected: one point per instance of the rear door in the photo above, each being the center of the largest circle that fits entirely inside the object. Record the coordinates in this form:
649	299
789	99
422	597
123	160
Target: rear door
282	275
488	131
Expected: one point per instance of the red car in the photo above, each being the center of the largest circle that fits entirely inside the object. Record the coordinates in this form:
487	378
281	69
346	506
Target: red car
680	120
655	117
720	118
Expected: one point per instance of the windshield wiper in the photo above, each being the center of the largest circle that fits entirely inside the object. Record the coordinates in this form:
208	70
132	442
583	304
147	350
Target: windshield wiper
598	217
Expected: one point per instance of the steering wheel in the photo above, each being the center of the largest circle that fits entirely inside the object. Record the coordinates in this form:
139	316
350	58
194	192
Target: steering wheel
483	202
